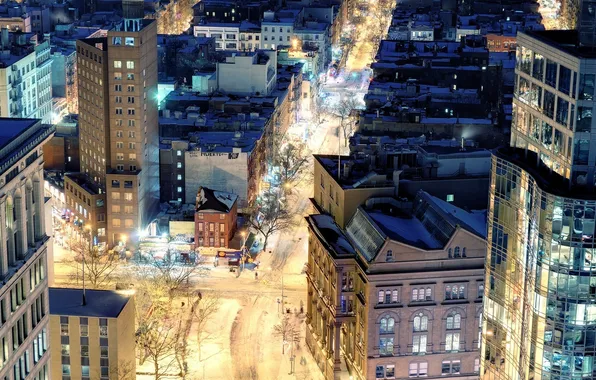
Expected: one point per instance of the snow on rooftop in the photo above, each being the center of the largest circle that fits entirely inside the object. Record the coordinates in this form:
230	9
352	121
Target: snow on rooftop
333	235
407	230
227	199
475	219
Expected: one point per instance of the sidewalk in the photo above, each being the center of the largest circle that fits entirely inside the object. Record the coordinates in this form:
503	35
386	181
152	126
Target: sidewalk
305	367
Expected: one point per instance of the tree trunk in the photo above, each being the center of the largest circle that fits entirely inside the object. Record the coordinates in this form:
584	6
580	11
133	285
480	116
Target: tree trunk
265	241
156	368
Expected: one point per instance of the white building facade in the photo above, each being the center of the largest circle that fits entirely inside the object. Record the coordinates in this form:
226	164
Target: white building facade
26	84
227	36
24	306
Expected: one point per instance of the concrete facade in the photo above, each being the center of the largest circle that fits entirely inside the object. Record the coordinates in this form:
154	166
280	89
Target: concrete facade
23	252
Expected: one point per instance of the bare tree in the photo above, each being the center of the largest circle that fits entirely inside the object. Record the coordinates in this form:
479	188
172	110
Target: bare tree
287	331
204	309
161	344
292	160
270	215
345	111
96	264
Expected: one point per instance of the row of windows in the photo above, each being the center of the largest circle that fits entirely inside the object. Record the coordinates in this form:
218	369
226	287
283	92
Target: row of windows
452	292
129	65
222	227
129	88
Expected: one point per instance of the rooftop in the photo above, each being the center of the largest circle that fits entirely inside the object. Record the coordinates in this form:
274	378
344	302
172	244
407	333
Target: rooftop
11	128
100	303
566	40
331	234
213	200
83	181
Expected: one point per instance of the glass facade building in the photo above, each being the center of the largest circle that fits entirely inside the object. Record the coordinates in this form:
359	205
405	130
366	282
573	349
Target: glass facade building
540	294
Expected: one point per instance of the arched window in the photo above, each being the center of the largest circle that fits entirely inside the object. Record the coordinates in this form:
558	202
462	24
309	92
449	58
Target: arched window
387	325
456	254
450	254
454	322
414	294
420	323
463	252
389	256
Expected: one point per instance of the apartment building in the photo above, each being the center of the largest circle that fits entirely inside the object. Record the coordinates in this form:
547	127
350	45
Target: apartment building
24	306
248	73
539	307
398	293
118	126
92	339
25	77
216	213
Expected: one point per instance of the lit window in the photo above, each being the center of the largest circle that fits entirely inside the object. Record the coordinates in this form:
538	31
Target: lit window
130	64
179	189
129	41
178	153
418	369
452	342
450	197
179	177
118	64
179	165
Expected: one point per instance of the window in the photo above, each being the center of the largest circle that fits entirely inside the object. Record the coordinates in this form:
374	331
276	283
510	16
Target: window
117	64
117	75
477	365
388	296
115	222
179	177
480	290
117	87
129	41
420	323
103	351
84	350
386	346
64	329
128	196
85	328
115	196
418	369
389	256
130	88
65	350
455	292
387	325
419	344
118	99
179	189
130	99
456	253
103	327
452	342
450	367
116	40
380	372
421	294
390	371
66	369
130	65
131	111
453	322
179	165
130	76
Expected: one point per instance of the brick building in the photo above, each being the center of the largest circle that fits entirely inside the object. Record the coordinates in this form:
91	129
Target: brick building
215	218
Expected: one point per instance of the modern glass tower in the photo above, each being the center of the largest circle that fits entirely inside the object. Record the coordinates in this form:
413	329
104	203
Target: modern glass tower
540	295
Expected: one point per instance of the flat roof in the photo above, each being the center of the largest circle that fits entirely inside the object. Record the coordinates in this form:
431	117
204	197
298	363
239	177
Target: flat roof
10	128
100	303
566	40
